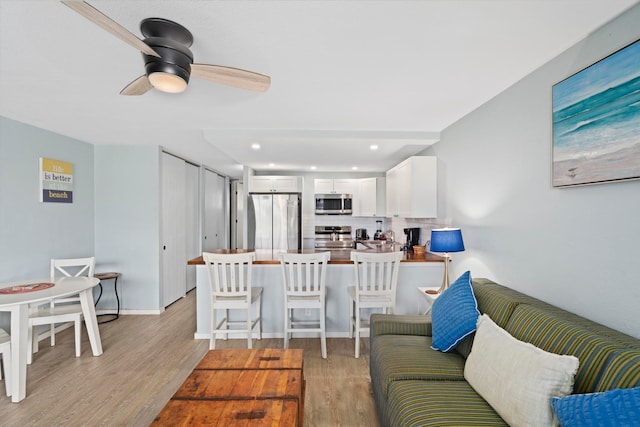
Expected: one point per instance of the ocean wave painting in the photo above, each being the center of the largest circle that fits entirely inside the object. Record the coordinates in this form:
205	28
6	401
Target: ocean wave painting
596	121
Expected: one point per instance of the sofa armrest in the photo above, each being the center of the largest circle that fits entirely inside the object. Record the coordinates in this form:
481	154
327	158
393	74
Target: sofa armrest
393	324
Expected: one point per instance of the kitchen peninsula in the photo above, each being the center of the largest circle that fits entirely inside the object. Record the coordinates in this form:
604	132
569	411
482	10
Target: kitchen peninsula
423	269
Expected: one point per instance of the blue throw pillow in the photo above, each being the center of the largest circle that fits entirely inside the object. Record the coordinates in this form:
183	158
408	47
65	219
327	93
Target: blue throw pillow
454	314
614	408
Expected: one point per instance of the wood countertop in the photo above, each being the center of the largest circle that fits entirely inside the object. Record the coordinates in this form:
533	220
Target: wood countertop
266	257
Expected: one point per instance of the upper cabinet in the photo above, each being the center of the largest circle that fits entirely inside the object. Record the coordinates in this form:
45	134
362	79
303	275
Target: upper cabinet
335	186
412	188
275	184
371	199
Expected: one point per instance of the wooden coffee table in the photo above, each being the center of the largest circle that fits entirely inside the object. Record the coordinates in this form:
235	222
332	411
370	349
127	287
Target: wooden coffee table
257	387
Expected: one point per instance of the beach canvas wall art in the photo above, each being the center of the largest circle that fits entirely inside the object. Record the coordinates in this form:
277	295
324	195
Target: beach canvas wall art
596	122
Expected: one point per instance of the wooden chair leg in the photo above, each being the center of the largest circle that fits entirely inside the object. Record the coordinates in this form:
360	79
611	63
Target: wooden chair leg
259	325
212	334
287	319
6	366
32	343
249	328
78	328
323	334
357	331
351	303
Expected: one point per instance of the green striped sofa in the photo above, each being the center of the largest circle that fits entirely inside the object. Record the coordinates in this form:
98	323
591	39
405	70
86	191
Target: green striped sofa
414	385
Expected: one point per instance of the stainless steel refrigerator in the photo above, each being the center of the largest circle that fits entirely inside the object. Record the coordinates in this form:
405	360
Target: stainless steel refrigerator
274	222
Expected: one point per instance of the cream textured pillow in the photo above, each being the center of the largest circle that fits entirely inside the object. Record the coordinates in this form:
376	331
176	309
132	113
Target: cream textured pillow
516	378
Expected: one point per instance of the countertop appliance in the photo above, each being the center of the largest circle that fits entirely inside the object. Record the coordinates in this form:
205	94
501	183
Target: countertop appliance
274	221
379	235
334	237
413	237
361	234
334	204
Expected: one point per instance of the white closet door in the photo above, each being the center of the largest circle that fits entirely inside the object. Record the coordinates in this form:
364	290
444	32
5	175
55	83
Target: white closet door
192	194
174	257
214	212
237	213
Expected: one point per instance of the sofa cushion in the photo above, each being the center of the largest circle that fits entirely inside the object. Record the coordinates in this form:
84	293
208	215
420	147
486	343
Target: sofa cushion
551	333
621	370
619	407
438	403
516	378
494	300
406	357
395	324
454	314
513	295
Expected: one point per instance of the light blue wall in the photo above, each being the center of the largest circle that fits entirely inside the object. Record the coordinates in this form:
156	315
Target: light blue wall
115	213
31	232
127	222
574	247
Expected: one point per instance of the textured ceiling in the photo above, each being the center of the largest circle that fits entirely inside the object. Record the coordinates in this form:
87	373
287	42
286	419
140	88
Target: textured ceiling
345	74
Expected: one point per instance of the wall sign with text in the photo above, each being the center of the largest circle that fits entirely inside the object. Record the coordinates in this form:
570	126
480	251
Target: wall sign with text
56	181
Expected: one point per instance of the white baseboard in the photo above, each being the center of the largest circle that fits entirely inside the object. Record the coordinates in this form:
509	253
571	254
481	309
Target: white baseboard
128	311
139	312
267	335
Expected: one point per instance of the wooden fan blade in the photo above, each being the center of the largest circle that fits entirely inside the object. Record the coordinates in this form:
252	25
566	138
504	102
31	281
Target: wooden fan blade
231	77
139	86
103	21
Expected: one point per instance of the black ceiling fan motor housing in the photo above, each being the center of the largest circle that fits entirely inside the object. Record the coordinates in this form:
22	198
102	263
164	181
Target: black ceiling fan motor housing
171	41
174	58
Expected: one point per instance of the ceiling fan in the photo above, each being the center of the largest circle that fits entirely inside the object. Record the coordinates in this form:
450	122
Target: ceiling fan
168	60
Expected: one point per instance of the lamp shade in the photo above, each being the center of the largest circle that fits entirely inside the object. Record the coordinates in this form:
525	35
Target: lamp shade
446	240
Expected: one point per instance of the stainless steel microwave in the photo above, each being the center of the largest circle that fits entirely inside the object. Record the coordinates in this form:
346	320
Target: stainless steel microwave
334	204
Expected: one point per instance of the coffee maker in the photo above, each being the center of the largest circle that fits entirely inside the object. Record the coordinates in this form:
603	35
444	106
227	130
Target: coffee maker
413	237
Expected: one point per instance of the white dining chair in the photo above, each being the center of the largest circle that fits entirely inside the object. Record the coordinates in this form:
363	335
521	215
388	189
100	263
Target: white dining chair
232	289
376	279
5	351
60	310
304	277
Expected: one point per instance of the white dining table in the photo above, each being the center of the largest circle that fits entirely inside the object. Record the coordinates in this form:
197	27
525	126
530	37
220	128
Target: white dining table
18	305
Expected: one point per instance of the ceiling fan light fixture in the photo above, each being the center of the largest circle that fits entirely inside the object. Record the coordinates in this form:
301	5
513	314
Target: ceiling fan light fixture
167	82
171	71
167	77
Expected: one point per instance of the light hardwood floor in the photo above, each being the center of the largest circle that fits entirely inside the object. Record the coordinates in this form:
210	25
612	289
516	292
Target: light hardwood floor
145	360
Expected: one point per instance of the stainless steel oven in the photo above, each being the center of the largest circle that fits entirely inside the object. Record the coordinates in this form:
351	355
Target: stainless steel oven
334	204
334	237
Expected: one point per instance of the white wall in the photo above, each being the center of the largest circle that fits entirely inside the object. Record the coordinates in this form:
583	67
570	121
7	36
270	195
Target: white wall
577	247
127	223
31	232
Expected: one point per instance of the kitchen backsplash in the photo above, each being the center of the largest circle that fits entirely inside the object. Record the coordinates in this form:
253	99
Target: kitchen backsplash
425	224
395	224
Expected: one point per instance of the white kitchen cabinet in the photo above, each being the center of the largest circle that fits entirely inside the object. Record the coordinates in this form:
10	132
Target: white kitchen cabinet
371	197
275	184
412	188
335	186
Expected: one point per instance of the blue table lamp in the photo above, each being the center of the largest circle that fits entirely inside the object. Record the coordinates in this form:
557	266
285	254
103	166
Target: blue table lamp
446	240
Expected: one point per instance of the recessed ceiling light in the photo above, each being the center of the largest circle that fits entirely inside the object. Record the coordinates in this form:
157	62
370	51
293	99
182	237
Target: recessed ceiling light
355	168
271	165
373	147
313	168
255	146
